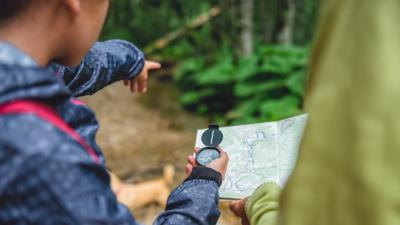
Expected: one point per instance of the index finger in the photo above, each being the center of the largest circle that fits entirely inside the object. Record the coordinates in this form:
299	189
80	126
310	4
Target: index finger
152	65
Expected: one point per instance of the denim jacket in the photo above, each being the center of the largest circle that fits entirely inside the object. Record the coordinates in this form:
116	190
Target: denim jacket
48	178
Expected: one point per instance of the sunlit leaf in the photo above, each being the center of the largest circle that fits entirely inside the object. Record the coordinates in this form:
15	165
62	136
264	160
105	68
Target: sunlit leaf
280	108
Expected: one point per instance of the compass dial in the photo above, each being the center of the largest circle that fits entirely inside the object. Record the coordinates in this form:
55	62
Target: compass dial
207	155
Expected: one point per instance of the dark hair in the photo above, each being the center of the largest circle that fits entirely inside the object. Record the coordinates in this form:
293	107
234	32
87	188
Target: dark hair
9	8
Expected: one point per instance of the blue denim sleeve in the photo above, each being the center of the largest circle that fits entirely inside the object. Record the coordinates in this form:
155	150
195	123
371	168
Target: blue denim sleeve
105	63
50	186
81	192
195	202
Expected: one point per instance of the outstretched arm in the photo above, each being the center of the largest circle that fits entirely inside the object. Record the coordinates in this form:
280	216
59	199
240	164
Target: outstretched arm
105	63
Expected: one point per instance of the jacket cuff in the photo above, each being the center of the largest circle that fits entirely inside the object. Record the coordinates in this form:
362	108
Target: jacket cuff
135	56
205	173
137	67
266	195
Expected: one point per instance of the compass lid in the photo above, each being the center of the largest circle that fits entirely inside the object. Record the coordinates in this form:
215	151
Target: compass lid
212	137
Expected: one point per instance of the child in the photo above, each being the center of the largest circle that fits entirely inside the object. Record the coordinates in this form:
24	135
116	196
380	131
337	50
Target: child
52	171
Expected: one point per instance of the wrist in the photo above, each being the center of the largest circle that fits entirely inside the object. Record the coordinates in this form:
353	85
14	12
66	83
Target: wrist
205	173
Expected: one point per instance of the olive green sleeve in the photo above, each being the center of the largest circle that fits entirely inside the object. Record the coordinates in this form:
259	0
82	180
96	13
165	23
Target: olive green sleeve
348	169
262	206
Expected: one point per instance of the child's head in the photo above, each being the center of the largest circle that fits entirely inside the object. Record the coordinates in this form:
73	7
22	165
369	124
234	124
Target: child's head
60	30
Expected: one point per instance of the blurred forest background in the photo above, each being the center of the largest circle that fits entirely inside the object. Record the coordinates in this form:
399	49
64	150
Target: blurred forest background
225	61
234	61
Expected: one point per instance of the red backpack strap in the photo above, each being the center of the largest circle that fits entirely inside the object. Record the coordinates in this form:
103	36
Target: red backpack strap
48	114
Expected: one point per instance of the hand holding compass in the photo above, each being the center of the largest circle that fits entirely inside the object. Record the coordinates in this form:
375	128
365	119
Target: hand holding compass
210	156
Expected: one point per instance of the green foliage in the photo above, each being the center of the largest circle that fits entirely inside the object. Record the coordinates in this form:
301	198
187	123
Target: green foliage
268	85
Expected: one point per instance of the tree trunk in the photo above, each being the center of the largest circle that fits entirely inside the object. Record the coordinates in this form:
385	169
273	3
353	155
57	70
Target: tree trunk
242	13
247	26
286	36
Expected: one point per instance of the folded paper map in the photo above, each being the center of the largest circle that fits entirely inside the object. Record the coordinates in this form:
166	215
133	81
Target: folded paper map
259	153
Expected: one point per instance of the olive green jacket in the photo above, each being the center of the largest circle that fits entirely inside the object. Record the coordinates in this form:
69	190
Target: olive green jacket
348	171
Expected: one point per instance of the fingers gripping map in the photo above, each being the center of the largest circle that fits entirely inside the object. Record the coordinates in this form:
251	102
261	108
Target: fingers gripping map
259	153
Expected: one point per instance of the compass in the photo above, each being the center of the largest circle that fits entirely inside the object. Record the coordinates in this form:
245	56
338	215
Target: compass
211	138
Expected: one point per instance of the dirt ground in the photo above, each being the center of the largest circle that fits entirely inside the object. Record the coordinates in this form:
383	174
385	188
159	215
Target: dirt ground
141	133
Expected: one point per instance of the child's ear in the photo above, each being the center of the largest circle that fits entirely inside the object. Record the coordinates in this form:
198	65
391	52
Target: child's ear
73	6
